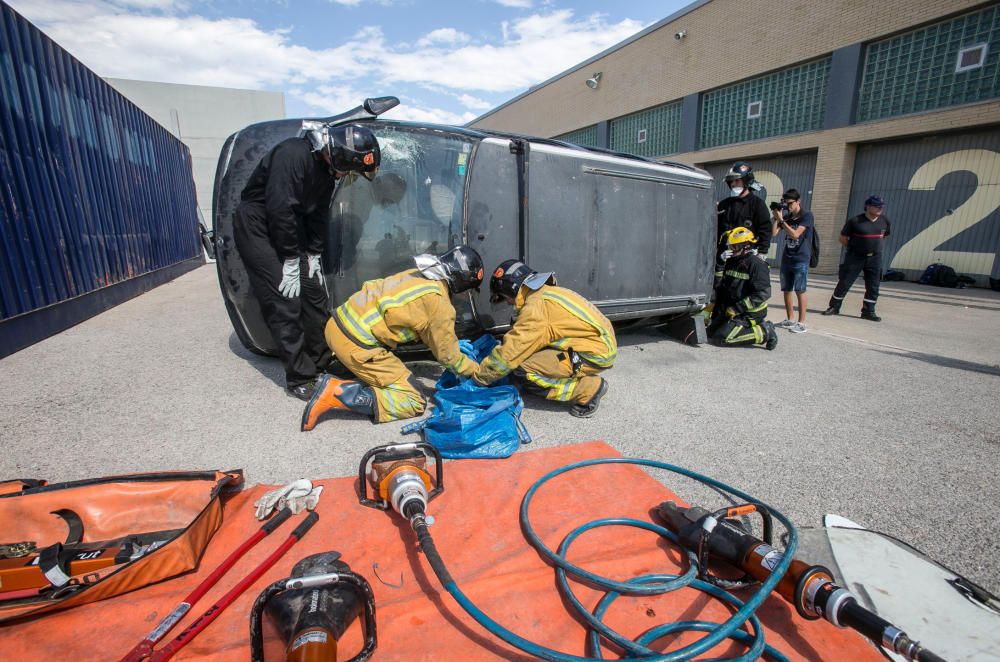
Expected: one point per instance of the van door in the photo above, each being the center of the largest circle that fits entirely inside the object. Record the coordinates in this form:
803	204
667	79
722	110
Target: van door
492	220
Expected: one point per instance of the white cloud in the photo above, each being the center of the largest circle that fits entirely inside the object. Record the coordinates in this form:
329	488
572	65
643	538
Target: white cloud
444	36
518	4
159	40
533	49
472	102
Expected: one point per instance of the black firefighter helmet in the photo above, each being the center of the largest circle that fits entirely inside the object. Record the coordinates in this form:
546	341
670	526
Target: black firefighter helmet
741	170
351	147
465	268
510	275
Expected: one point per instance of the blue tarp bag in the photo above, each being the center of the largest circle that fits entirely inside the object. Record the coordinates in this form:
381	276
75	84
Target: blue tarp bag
472	421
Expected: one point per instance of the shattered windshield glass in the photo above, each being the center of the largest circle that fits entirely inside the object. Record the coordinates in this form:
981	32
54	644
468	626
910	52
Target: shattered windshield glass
413	206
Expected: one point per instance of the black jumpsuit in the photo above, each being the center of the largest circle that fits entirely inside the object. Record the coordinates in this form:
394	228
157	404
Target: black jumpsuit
283	214
748	211
863	255
745	287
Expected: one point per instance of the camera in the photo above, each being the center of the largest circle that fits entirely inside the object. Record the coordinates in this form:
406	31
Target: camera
782	205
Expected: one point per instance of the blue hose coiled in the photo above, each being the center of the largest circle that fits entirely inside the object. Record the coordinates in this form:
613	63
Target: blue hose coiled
658	584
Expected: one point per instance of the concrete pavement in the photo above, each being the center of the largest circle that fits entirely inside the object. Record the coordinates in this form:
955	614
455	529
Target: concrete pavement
894	425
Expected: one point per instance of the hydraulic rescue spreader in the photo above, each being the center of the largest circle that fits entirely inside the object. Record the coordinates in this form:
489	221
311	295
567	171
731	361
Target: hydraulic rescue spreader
809	588
313	608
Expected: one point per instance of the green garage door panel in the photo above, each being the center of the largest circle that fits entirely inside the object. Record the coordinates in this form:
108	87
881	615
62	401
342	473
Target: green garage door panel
943	199
777	174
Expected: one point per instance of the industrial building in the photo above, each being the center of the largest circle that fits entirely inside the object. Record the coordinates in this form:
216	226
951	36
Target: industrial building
839	99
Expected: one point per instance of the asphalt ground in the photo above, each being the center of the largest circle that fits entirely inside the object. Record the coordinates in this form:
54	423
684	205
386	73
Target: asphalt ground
894	425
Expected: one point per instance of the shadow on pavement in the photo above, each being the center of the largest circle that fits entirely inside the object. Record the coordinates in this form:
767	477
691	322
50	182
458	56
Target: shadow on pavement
947	362
269	366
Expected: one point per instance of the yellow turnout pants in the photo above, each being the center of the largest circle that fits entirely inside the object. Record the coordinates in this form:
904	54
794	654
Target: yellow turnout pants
552	369
396	394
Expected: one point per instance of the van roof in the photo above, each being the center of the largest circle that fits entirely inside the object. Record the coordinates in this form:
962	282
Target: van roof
486	133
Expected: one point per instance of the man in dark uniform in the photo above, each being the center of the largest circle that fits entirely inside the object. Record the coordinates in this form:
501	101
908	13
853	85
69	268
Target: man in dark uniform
741	297
862	235
741	209
280	231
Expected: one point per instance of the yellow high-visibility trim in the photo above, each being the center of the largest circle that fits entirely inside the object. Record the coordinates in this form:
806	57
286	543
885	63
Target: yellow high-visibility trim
601	360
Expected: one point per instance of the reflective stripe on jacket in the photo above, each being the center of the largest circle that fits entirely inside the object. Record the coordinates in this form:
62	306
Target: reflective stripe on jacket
552	317
404	308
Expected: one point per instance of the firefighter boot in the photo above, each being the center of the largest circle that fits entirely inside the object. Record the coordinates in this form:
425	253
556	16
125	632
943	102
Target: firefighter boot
770	336
868	313
587	410
332	393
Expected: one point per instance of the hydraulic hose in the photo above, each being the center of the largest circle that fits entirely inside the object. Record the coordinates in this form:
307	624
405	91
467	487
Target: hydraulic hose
715	633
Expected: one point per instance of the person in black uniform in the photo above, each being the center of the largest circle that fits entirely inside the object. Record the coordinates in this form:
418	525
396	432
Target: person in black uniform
862	235
741	209
280	231
741	297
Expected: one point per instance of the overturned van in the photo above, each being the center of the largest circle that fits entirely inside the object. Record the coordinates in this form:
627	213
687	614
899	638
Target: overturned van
633	235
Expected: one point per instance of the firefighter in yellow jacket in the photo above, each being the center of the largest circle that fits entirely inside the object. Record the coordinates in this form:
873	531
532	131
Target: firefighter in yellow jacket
387	312
560	342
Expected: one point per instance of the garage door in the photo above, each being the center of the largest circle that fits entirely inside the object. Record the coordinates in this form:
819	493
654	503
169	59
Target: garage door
942	196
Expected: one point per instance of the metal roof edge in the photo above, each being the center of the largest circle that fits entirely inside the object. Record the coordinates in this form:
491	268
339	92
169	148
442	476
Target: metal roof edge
622	44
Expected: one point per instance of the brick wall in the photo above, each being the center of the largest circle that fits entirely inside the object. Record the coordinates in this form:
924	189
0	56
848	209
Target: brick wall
658	68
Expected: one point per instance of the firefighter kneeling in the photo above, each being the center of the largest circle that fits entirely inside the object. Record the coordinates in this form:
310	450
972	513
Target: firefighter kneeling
558	343
741	297
387	312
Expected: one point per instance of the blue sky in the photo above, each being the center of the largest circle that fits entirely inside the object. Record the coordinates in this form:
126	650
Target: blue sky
447	61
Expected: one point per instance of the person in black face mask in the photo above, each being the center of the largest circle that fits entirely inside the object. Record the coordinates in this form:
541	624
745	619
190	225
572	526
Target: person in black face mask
741	209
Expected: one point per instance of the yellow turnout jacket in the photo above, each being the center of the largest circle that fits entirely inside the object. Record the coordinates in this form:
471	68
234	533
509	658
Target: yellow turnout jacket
403	308
553	317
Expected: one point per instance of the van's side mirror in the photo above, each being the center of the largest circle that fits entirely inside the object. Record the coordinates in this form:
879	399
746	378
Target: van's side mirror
378	105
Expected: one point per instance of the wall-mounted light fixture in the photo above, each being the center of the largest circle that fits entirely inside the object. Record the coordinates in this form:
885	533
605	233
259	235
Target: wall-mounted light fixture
594	80
680	35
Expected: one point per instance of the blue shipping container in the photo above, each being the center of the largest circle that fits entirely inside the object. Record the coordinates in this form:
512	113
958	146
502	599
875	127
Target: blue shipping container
93	192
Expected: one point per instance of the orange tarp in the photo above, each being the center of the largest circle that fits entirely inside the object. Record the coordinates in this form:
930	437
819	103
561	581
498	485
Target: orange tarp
478	535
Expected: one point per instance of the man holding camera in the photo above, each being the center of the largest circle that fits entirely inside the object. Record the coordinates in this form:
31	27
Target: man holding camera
797	224
863	237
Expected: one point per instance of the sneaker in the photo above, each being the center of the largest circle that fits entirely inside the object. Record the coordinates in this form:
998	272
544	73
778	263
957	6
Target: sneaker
832	310
587	410
302	391
770	337
787	324
798	327
870	316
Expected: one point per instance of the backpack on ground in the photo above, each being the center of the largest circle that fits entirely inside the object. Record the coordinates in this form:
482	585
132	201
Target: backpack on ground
940	275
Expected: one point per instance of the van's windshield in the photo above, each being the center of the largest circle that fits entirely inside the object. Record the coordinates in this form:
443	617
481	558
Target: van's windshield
413	206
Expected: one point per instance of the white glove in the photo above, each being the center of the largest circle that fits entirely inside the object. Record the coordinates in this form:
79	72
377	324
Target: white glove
298	495
290	274
726	254
315	266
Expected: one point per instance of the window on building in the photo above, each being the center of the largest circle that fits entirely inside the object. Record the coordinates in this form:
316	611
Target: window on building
971	58
587	136
754	109
948	63
652	132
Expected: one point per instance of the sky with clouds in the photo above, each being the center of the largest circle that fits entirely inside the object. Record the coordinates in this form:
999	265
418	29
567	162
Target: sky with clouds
447	61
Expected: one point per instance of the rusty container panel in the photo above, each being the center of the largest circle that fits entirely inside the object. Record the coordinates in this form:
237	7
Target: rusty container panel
93	192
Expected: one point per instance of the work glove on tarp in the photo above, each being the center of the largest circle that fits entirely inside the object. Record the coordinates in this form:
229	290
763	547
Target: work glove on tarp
298	495
290	275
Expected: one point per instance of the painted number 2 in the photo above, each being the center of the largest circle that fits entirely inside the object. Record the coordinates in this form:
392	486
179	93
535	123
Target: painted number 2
920	251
